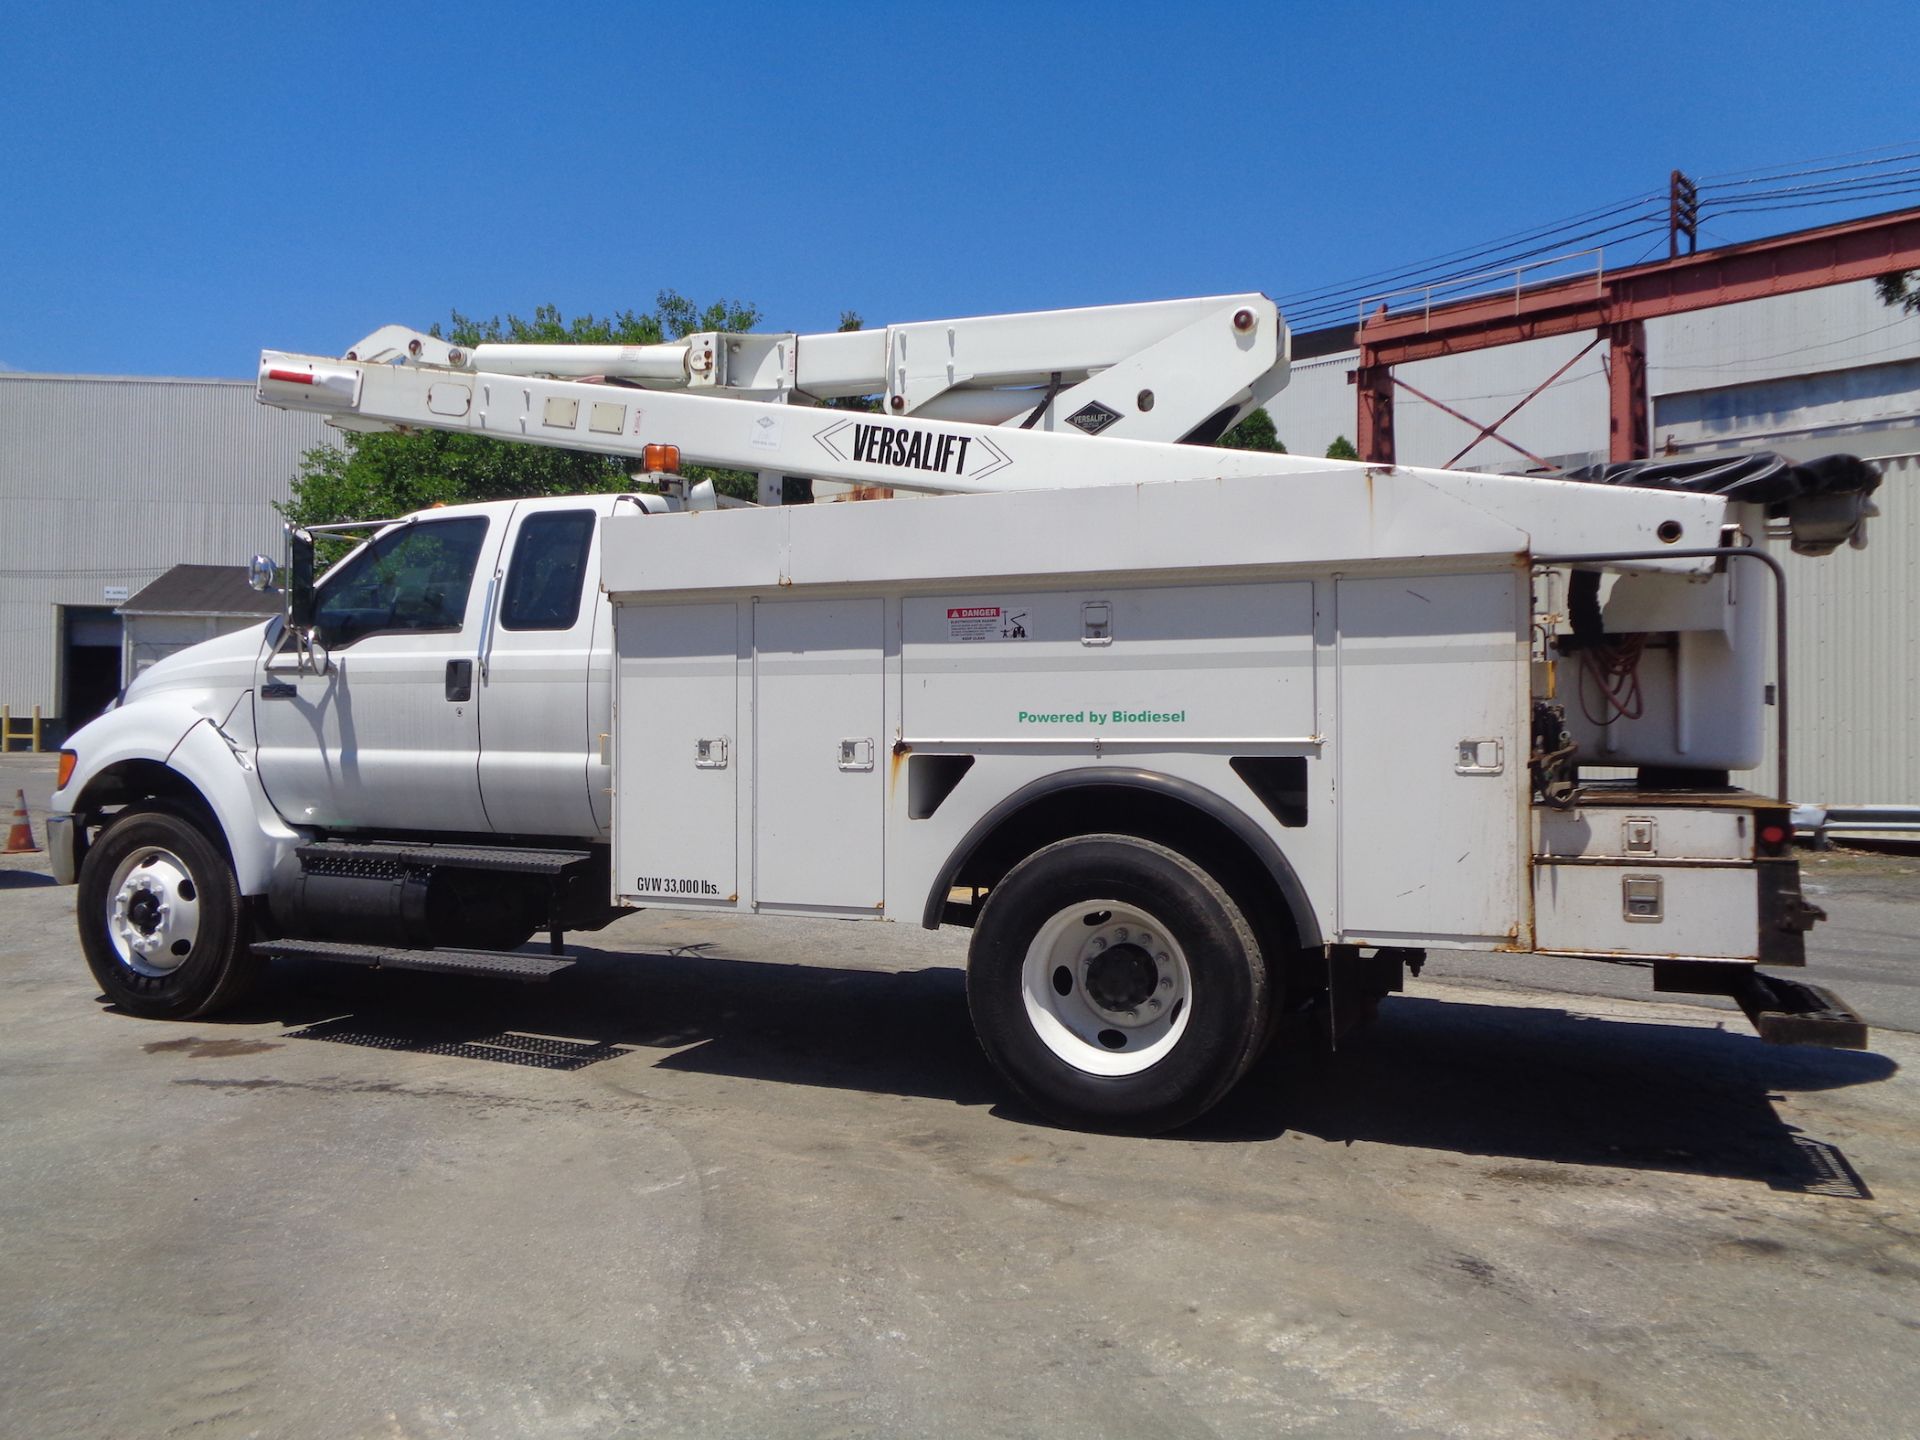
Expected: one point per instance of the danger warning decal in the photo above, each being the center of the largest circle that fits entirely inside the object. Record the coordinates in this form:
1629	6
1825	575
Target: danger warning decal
985	622
913	447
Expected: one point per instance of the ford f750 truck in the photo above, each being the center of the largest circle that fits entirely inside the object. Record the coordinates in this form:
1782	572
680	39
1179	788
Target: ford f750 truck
1187	738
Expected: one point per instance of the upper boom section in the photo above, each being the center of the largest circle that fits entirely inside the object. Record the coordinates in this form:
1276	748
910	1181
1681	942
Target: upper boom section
1169	370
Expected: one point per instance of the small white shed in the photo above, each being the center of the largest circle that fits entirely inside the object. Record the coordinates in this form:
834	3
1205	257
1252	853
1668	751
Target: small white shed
188	604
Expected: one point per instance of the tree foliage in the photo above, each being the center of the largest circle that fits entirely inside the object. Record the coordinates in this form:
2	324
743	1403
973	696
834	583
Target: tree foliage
1901	288
1342	449
1256	432
381	475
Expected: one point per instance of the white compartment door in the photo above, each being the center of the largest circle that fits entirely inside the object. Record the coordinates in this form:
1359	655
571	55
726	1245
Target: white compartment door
1432	756
820	754
675	815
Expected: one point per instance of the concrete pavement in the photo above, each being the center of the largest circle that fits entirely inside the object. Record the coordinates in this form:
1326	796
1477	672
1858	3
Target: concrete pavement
756	1179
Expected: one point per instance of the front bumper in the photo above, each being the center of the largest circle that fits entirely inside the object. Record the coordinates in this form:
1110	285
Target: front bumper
63	851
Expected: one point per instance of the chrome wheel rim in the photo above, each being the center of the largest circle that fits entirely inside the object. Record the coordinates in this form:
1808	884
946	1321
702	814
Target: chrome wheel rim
1107	989
153	912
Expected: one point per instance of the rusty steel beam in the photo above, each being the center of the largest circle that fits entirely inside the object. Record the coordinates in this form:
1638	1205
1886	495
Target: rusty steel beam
1373	429
1778	265
1627	433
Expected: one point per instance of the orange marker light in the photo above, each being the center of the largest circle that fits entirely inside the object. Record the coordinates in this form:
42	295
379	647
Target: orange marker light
67	761
661	459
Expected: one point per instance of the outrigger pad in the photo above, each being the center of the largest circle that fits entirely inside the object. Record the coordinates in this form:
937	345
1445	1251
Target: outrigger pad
1792	1012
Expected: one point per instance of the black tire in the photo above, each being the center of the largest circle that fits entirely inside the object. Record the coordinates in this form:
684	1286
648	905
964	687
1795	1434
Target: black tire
1057	1025
168	864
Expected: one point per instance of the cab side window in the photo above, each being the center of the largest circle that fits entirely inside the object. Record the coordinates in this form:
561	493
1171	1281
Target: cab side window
412	579
549	568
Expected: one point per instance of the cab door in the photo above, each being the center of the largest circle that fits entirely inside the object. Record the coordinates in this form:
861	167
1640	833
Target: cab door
387	735
540	743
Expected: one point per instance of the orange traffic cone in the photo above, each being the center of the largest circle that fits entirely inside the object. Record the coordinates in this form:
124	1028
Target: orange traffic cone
20	836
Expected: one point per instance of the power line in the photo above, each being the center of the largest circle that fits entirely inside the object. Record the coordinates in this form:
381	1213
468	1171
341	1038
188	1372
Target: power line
1815	160
1764	179
1487	247
1343	303
1619	223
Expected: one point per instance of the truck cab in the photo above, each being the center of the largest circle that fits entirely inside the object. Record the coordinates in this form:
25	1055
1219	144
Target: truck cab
459	682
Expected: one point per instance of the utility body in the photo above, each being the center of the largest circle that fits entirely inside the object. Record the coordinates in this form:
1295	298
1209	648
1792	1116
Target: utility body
1189	737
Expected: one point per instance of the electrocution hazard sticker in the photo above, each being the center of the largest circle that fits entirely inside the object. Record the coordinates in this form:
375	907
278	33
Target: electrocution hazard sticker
985	622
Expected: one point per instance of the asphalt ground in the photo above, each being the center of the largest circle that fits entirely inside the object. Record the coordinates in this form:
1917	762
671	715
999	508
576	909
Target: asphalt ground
753	1177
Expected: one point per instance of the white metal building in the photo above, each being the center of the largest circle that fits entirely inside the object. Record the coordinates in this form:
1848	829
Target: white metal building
1824	371
105	484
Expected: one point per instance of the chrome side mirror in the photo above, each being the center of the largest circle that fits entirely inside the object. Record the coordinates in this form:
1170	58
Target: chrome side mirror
261	573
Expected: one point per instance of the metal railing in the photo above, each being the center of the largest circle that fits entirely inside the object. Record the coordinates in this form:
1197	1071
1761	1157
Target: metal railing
28	731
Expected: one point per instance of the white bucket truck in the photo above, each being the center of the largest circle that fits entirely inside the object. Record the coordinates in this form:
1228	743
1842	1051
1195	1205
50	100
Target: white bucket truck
1188	737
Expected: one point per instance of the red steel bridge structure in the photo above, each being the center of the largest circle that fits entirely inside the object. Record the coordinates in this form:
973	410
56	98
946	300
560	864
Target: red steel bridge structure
1614	307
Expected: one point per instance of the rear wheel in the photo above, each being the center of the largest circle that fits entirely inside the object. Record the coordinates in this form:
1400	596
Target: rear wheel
161	917
1116	985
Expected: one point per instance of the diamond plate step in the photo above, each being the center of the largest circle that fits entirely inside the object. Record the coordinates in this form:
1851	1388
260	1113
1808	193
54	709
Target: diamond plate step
455	857
502	964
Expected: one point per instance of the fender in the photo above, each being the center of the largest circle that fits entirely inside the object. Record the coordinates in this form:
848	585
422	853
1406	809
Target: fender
1257	841
216	760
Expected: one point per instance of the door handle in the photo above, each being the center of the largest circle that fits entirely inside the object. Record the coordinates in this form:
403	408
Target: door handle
459	679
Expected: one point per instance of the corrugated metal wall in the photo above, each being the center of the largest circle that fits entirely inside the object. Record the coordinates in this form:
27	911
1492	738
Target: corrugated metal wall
1853	645
108	482
1728	379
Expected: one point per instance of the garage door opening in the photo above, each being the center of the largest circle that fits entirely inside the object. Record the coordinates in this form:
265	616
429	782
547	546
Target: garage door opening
89	662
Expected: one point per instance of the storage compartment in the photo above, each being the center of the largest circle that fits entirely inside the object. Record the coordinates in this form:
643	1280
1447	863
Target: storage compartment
1607	908
675	717
1643	832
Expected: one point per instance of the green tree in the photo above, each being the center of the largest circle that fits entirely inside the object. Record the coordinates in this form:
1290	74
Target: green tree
1901	288
1342	449
1256	432
380	475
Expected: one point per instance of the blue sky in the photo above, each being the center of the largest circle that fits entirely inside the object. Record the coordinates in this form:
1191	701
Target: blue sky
185	184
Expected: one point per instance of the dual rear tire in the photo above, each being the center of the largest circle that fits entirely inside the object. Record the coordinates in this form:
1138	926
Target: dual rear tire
1116	985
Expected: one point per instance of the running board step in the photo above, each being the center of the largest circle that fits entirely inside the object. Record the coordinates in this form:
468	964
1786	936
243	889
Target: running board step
500	963
1792	1012
392	853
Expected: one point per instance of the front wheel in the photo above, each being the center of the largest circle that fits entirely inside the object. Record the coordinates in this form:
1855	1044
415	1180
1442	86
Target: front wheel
161	918
1116	985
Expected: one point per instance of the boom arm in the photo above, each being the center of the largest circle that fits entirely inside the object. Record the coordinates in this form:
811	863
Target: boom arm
766	436
739	401
1171	370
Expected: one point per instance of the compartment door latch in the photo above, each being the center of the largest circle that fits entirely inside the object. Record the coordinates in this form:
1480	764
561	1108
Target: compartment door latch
1480	757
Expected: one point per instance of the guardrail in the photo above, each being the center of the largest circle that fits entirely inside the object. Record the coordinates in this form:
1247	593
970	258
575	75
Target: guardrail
28	731
1822	820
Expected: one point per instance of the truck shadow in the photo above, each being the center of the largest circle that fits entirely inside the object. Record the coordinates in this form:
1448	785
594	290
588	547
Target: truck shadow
1547	1085
1487	1080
